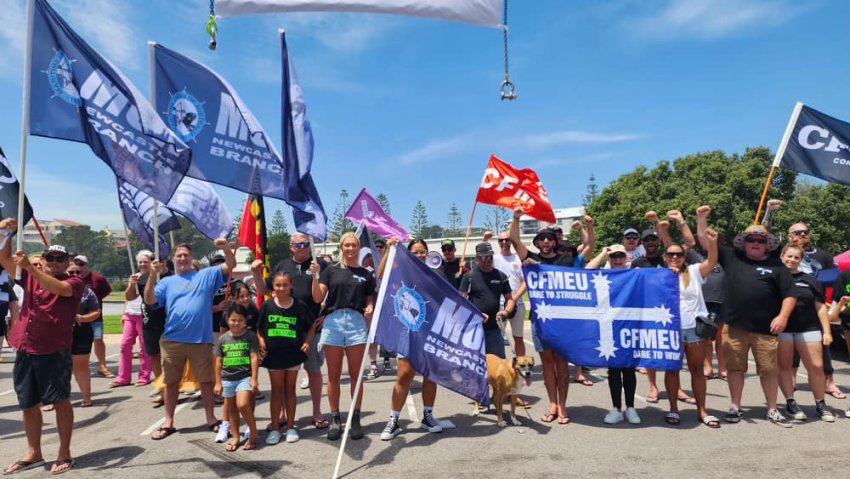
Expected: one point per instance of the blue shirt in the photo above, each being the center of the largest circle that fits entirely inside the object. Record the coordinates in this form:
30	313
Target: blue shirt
188	301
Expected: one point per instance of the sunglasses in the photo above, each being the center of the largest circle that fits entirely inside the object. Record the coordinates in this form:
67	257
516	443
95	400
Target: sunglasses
617	256
631	237
650	238
486	258
55	258
800	233
755	240
380	246
675	254
74	273
446	250
504	241
301	245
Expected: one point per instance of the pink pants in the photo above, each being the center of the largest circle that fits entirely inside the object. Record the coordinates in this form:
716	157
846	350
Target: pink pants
132	325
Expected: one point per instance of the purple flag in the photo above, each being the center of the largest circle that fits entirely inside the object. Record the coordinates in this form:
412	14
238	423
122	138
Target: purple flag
366	209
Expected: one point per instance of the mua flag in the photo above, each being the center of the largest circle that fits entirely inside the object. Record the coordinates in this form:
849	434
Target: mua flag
478	12
426	320
816	144
509	187
9	191
77	95
608	318
229	145
199	203
137	208
365	208
301	193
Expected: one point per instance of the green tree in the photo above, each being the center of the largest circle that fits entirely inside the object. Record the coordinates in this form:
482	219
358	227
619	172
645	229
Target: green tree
732	185
433	231
497	219
454	225
826	211
277	247
592	191
384	202
98	248
339	223
278	224
418	220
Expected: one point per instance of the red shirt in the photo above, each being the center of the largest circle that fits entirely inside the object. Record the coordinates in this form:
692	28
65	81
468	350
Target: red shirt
101	289
46	323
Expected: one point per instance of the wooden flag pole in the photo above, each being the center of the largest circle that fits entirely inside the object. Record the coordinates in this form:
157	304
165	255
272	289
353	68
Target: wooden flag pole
40	232
777	160
764	194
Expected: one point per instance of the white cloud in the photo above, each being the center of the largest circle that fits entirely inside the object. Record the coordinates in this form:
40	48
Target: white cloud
342	32
546	140
438	149
710	19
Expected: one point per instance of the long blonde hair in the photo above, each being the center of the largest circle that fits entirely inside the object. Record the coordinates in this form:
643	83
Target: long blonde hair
342	239
683	271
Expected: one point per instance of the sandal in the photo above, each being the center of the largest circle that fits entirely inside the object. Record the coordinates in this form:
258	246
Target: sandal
711	422
250	445
86	404
652	399
105	373
837	394
549	417
672	418
231	447
321	423
723	376
22	465
563	420
61	467
48	408
116	384
163	432
687	399
584	381
522	403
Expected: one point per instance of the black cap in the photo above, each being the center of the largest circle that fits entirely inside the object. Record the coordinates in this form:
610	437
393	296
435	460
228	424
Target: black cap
649	232
447	243
483	249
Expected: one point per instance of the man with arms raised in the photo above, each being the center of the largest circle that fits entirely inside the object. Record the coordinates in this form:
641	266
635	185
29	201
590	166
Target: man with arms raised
42	337
187	297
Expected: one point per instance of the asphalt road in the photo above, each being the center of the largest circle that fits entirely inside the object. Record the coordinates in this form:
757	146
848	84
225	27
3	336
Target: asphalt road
112	439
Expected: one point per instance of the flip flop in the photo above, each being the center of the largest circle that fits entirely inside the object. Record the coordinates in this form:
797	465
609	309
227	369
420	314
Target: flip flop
584	381
709	377
672	418
711	422
86	404
48	408
549	417
250	445
687	399
163	432
321	423
105	373
116	384
230	447
64	462
722	376
522	403
652	399
837	394
20	466
563	420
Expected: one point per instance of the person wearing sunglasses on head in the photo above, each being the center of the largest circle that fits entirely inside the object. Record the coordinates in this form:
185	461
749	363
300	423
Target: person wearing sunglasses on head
43	336
298	268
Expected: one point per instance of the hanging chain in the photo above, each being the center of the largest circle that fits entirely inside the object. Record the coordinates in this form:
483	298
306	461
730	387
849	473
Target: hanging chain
507	88
212	27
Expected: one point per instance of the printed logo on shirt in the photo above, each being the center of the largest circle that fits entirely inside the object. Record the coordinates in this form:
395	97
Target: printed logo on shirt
764	271
234	355
282	326
360	279
802	284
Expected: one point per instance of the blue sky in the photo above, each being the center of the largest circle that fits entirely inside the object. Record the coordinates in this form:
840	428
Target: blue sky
410	107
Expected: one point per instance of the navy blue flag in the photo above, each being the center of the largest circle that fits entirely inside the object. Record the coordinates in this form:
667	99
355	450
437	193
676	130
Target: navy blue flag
137	208
307	210
367	246
9	190
608	318
229	145
816	144
77	95
426	320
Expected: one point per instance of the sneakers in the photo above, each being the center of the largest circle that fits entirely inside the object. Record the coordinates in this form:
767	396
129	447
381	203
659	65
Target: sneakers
613	417
431	424
391	430
824	413
335	429
292	435
273	438
387	367
373	372
632	416
793	410
223	432
734	415
305	383
777	418
356	431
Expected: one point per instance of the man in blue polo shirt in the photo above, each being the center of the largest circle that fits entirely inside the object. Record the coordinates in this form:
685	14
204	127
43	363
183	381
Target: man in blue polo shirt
187	297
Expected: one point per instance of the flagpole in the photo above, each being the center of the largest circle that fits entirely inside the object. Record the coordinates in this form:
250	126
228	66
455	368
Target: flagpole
25	123
780	152
129	248
376	315
468	231
171	237
152	84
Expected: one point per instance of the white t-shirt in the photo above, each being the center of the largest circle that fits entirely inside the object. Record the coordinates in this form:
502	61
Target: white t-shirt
691	302
134	306
512	267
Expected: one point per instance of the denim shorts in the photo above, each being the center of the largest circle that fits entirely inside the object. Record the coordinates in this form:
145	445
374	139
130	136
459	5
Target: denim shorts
230	388
689	336
803	337
343	328
538	343
98	330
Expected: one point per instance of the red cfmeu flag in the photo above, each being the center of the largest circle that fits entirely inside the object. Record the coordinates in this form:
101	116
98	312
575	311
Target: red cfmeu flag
252	234
505	186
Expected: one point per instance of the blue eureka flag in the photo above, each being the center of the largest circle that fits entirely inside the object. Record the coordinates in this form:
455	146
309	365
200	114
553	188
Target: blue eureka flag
307	210
608	318
77	95
427	321
816	144
229	145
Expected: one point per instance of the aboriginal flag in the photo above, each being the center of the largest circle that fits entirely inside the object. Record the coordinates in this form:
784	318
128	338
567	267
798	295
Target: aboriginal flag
252	234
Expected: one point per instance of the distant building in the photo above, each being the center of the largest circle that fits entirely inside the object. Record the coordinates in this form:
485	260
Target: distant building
50	228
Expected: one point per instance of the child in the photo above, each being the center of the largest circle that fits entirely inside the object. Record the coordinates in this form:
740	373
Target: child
285	329
237	365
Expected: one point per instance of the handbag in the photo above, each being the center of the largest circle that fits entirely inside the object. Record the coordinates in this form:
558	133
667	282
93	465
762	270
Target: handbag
707	326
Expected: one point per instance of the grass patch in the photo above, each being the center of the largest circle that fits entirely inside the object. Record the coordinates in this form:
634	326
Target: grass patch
115	297
112	324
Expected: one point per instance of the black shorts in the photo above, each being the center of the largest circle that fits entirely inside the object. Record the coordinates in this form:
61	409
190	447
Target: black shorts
83	339
283	359
151	337
42	379
4	329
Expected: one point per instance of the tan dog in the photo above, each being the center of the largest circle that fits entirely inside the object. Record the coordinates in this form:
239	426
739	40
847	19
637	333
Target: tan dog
507	377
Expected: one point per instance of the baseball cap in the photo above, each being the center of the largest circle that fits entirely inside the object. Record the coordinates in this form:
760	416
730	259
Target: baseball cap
649	232
630	231
547	233
79	257
58	248
616	248
217	258
483	249
447	243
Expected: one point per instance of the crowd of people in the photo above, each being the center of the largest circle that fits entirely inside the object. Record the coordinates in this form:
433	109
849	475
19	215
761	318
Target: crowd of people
194	322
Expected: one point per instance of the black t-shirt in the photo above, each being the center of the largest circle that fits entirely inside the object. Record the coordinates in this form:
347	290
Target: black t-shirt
153	318
753	290
842	288
451	270
217	299
556	260
808	290
284	330
251	321
302	281
484	291
647	262
348	288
